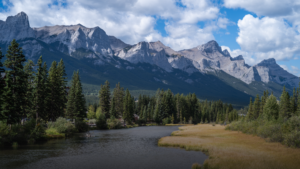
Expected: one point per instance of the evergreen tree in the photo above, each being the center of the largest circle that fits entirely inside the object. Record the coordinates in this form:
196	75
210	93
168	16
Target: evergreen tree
293	105
250	114
104	96
80	100
298	102
40	90
127	108
91	112
284	105
113	112
256	107
62	90
76	102
271	108
30	74
54	91
16	80
8	107
118	95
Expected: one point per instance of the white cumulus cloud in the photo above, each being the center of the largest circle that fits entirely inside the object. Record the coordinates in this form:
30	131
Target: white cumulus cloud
132	20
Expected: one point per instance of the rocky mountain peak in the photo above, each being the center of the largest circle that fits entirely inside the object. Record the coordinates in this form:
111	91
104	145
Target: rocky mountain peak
267	62
226	53
16	27
211	47
240	57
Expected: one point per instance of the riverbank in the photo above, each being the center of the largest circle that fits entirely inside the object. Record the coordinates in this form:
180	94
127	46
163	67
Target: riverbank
232	149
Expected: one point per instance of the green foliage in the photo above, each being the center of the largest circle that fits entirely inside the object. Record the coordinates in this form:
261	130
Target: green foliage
278	122
104	98
113	123
62	125
166	120
128	107
13	107
101	121
91	112
40	91
76	101
271	108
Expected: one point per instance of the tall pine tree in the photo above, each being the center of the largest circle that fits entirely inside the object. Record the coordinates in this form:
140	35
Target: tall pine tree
76	102
127	108
40	91
104	98
30	74
16	84
284	105
118	95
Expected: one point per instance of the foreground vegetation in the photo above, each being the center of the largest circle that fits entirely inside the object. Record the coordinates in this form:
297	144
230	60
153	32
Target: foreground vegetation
32	97
232	149
276	121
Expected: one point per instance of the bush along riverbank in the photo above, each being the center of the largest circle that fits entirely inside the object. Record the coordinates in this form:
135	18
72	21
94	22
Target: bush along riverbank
232	149
276	121
30	132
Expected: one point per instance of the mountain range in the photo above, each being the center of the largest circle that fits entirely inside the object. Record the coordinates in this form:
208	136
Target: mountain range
207	70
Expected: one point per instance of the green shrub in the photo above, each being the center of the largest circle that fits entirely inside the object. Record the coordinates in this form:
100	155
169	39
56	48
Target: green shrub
292	139
62	125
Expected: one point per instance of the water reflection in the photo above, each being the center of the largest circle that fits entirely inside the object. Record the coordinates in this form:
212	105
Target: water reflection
127	148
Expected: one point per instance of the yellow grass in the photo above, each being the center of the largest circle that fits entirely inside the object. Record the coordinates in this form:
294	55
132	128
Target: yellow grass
232	149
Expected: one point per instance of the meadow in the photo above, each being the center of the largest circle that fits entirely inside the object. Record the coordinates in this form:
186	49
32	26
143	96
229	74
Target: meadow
233	149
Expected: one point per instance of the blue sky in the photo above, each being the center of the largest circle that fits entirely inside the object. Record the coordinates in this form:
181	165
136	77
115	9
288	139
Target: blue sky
256	29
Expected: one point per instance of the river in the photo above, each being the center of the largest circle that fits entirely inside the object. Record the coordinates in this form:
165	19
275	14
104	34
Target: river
134	148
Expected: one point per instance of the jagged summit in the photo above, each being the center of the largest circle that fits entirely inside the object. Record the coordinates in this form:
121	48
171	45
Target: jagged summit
15	27
210	47
226	53
267	62
240	57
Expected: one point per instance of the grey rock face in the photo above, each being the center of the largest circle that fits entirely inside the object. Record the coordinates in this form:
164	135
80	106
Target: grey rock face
76	37
210	57
15	27
116	44
269	70
144	53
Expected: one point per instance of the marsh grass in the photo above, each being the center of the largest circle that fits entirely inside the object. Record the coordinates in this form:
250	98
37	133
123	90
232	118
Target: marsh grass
233	149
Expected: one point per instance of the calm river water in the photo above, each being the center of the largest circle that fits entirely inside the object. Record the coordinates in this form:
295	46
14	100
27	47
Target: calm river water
134	148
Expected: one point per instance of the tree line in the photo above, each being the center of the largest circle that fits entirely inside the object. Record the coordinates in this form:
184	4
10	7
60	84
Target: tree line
268	107
29	90
163	106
